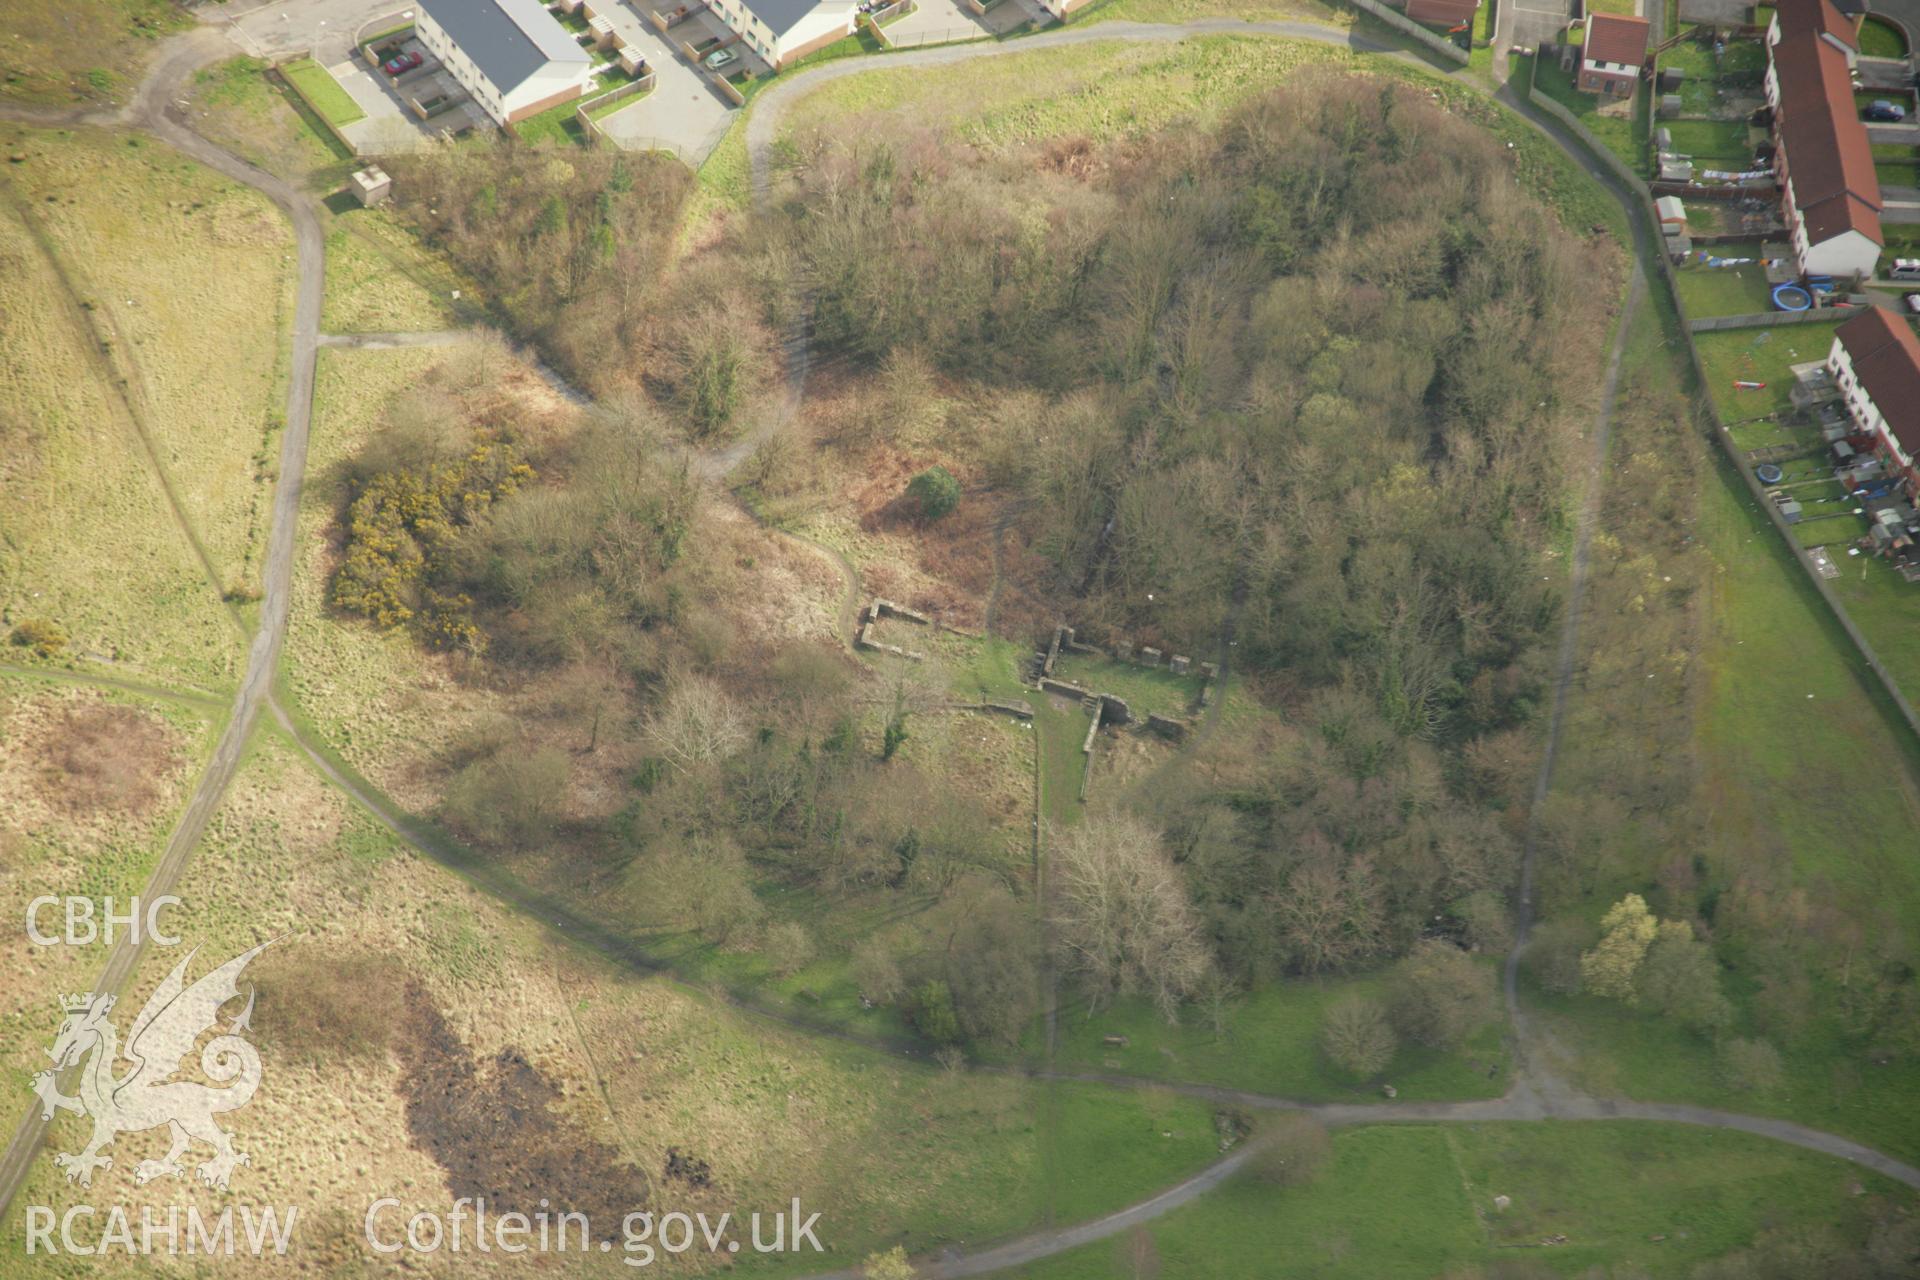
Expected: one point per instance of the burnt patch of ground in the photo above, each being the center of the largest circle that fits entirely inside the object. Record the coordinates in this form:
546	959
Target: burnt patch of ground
494	1127
100	756
320	1011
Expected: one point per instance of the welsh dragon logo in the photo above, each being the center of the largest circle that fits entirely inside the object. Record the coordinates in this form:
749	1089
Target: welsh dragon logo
146	1096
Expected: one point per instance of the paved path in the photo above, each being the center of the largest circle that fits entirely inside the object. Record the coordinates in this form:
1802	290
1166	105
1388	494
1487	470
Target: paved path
393	341
1536	1095
152	109
1045	1244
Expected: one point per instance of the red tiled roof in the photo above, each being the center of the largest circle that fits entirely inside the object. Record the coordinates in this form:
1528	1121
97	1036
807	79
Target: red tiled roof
1825	153
1830	218
1885	353
1613	37
1449	12
1815	17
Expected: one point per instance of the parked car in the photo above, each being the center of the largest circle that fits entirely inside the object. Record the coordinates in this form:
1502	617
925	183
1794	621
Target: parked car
1886	111
721	58
1904	269
1913	303
404	63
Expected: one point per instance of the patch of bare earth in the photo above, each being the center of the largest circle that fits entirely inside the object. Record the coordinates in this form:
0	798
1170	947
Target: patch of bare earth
493	1126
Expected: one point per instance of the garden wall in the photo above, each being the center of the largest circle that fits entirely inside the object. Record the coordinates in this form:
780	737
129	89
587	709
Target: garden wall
1647	221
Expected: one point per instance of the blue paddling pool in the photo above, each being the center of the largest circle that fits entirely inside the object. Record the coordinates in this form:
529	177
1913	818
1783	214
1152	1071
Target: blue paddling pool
1791	297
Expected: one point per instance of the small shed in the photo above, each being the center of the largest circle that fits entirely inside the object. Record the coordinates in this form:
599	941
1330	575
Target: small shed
1679	246
633	61
1675	169
370	186
1663	139
1790	511
1671	211
1670	106
602	31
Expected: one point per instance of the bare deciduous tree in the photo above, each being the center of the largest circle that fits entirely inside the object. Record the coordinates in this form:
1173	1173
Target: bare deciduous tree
1121	913
697	724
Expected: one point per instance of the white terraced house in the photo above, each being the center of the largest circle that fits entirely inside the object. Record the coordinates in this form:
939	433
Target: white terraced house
511	55
782	30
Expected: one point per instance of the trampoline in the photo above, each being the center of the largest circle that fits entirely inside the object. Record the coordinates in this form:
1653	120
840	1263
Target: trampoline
1792	297
1768	473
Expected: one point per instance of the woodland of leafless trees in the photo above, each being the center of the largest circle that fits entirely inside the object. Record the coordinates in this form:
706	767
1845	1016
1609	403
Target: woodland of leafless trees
1309	381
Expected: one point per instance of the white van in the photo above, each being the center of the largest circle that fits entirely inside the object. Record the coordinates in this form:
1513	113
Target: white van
1905	269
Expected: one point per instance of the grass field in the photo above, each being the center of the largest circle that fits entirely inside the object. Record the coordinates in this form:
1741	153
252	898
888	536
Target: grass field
1271	1044
1741	64
380	280
139	231
1621	132
1726	291
95	834
1888	610
1778	733
322	92
557	124
1899	171
58	52
87	539
1148	690
886	1151
1407	1201
1880	38
1122	90
1759	355
351	680
1790	736
1713	144
1326	14
237	105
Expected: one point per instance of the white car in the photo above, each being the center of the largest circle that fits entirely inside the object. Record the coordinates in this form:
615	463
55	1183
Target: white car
721	58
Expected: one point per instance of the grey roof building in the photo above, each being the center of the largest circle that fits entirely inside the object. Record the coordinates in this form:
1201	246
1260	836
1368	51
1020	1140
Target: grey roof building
511	55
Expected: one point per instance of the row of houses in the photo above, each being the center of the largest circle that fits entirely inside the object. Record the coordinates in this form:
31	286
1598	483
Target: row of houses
1875	362
1823	162
516	59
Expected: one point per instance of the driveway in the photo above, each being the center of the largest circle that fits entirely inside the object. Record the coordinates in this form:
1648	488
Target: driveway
944	21
1536	21
326	27
390	126
684	114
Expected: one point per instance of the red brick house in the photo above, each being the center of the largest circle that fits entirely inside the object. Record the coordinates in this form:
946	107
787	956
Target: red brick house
1616	50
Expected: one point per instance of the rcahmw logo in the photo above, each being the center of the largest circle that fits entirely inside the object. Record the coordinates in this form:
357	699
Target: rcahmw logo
146	1096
